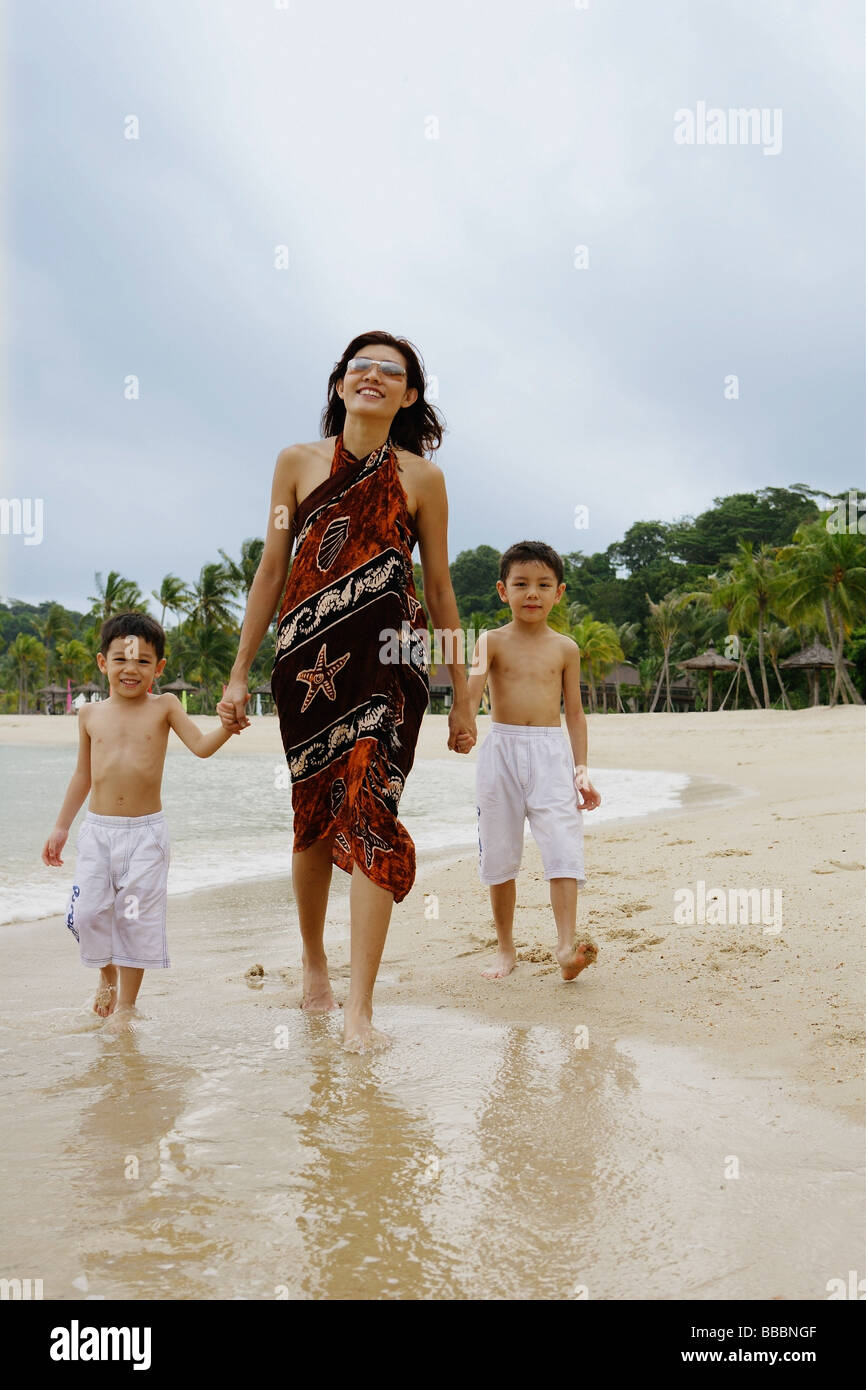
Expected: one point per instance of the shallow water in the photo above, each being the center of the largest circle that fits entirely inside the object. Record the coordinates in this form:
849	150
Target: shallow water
230	819
247	1156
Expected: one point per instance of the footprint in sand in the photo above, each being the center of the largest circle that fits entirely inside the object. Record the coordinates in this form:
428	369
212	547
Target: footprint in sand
650	941
726	853
746	946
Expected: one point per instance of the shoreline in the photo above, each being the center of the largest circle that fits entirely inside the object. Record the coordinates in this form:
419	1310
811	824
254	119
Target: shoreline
786	1003
699	793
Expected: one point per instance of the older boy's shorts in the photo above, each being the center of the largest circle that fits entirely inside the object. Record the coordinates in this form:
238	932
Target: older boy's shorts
527	771
117	911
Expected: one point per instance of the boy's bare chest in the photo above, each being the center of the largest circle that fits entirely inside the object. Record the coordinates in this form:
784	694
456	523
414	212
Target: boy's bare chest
135	740
530	667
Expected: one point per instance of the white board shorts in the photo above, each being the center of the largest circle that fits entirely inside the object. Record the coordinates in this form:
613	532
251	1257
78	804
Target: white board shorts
118	905
527	772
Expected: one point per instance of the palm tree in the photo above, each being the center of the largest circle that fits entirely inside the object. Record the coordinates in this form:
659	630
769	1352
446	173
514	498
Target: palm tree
826	576
74	660
50	627
212	604
665	621
212	649
558	618
753	583
242	572
173	594
116	595
599	650
26	654
627	634
721	594
777	638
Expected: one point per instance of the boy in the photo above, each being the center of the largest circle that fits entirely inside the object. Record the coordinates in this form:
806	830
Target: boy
525	763
117	911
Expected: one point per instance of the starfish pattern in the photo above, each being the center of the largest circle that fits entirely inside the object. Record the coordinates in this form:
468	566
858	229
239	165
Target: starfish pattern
370	840
321	676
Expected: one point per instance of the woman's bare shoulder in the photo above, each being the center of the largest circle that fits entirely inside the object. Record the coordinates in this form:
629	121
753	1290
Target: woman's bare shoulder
420	469
317	448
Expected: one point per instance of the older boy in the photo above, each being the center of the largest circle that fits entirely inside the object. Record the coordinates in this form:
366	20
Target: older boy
118	906
525	765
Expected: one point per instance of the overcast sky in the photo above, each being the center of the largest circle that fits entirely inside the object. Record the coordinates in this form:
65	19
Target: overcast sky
431	169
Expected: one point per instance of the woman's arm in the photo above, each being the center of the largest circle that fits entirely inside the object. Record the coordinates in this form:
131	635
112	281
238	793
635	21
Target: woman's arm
431	524
265	591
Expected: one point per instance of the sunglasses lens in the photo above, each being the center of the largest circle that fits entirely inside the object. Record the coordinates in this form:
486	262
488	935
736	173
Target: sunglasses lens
363	364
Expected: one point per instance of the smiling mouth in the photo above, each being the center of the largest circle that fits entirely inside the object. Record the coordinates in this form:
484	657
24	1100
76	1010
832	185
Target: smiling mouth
370	391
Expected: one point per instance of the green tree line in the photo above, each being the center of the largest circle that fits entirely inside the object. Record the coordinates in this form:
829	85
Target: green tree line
759	575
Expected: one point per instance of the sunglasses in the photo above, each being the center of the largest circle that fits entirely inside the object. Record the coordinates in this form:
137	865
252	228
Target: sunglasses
363	364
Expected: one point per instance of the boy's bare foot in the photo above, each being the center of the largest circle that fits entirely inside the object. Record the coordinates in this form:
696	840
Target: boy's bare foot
573	959
503	964
359	1035
318	997
121	1021
105	999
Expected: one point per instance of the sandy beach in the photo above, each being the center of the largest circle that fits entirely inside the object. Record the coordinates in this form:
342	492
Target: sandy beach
705	1028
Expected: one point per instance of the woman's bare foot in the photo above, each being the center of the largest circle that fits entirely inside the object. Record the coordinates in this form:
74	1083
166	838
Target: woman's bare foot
503	964
105	1000
122	1021
359	1035
572	959
318	997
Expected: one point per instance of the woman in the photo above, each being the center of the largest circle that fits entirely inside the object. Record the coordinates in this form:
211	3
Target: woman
350	674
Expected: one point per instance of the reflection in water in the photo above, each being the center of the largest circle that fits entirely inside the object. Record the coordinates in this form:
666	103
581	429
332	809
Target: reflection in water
470	1160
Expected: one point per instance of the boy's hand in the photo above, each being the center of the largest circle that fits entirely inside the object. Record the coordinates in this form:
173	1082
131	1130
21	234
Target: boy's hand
53	845
588	799
461	727
232	708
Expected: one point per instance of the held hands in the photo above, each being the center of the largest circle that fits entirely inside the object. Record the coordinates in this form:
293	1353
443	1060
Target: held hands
462	734
588	799
232	708
53	845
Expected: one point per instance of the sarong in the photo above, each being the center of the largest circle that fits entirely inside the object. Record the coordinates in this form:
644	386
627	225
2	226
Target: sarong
350	676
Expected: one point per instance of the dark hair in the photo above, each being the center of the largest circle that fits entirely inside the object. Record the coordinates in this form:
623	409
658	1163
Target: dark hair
417	427
530	550
133	625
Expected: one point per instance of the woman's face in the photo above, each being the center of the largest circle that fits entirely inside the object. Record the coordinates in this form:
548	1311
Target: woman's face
368	391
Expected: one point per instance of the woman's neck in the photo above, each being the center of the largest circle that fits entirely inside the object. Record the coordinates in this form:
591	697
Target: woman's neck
361	437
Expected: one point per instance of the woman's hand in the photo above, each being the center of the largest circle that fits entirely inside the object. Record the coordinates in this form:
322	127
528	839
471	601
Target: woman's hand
462	734
232	708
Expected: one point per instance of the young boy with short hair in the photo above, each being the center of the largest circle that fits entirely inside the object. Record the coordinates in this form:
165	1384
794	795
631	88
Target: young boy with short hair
526	766
118	906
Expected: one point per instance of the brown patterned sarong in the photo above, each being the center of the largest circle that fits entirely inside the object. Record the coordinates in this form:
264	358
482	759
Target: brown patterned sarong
349	718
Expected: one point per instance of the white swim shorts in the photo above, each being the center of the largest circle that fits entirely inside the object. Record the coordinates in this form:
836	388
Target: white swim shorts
527	771
117	910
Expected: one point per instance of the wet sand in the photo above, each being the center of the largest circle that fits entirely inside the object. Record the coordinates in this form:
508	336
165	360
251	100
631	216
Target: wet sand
683	1121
